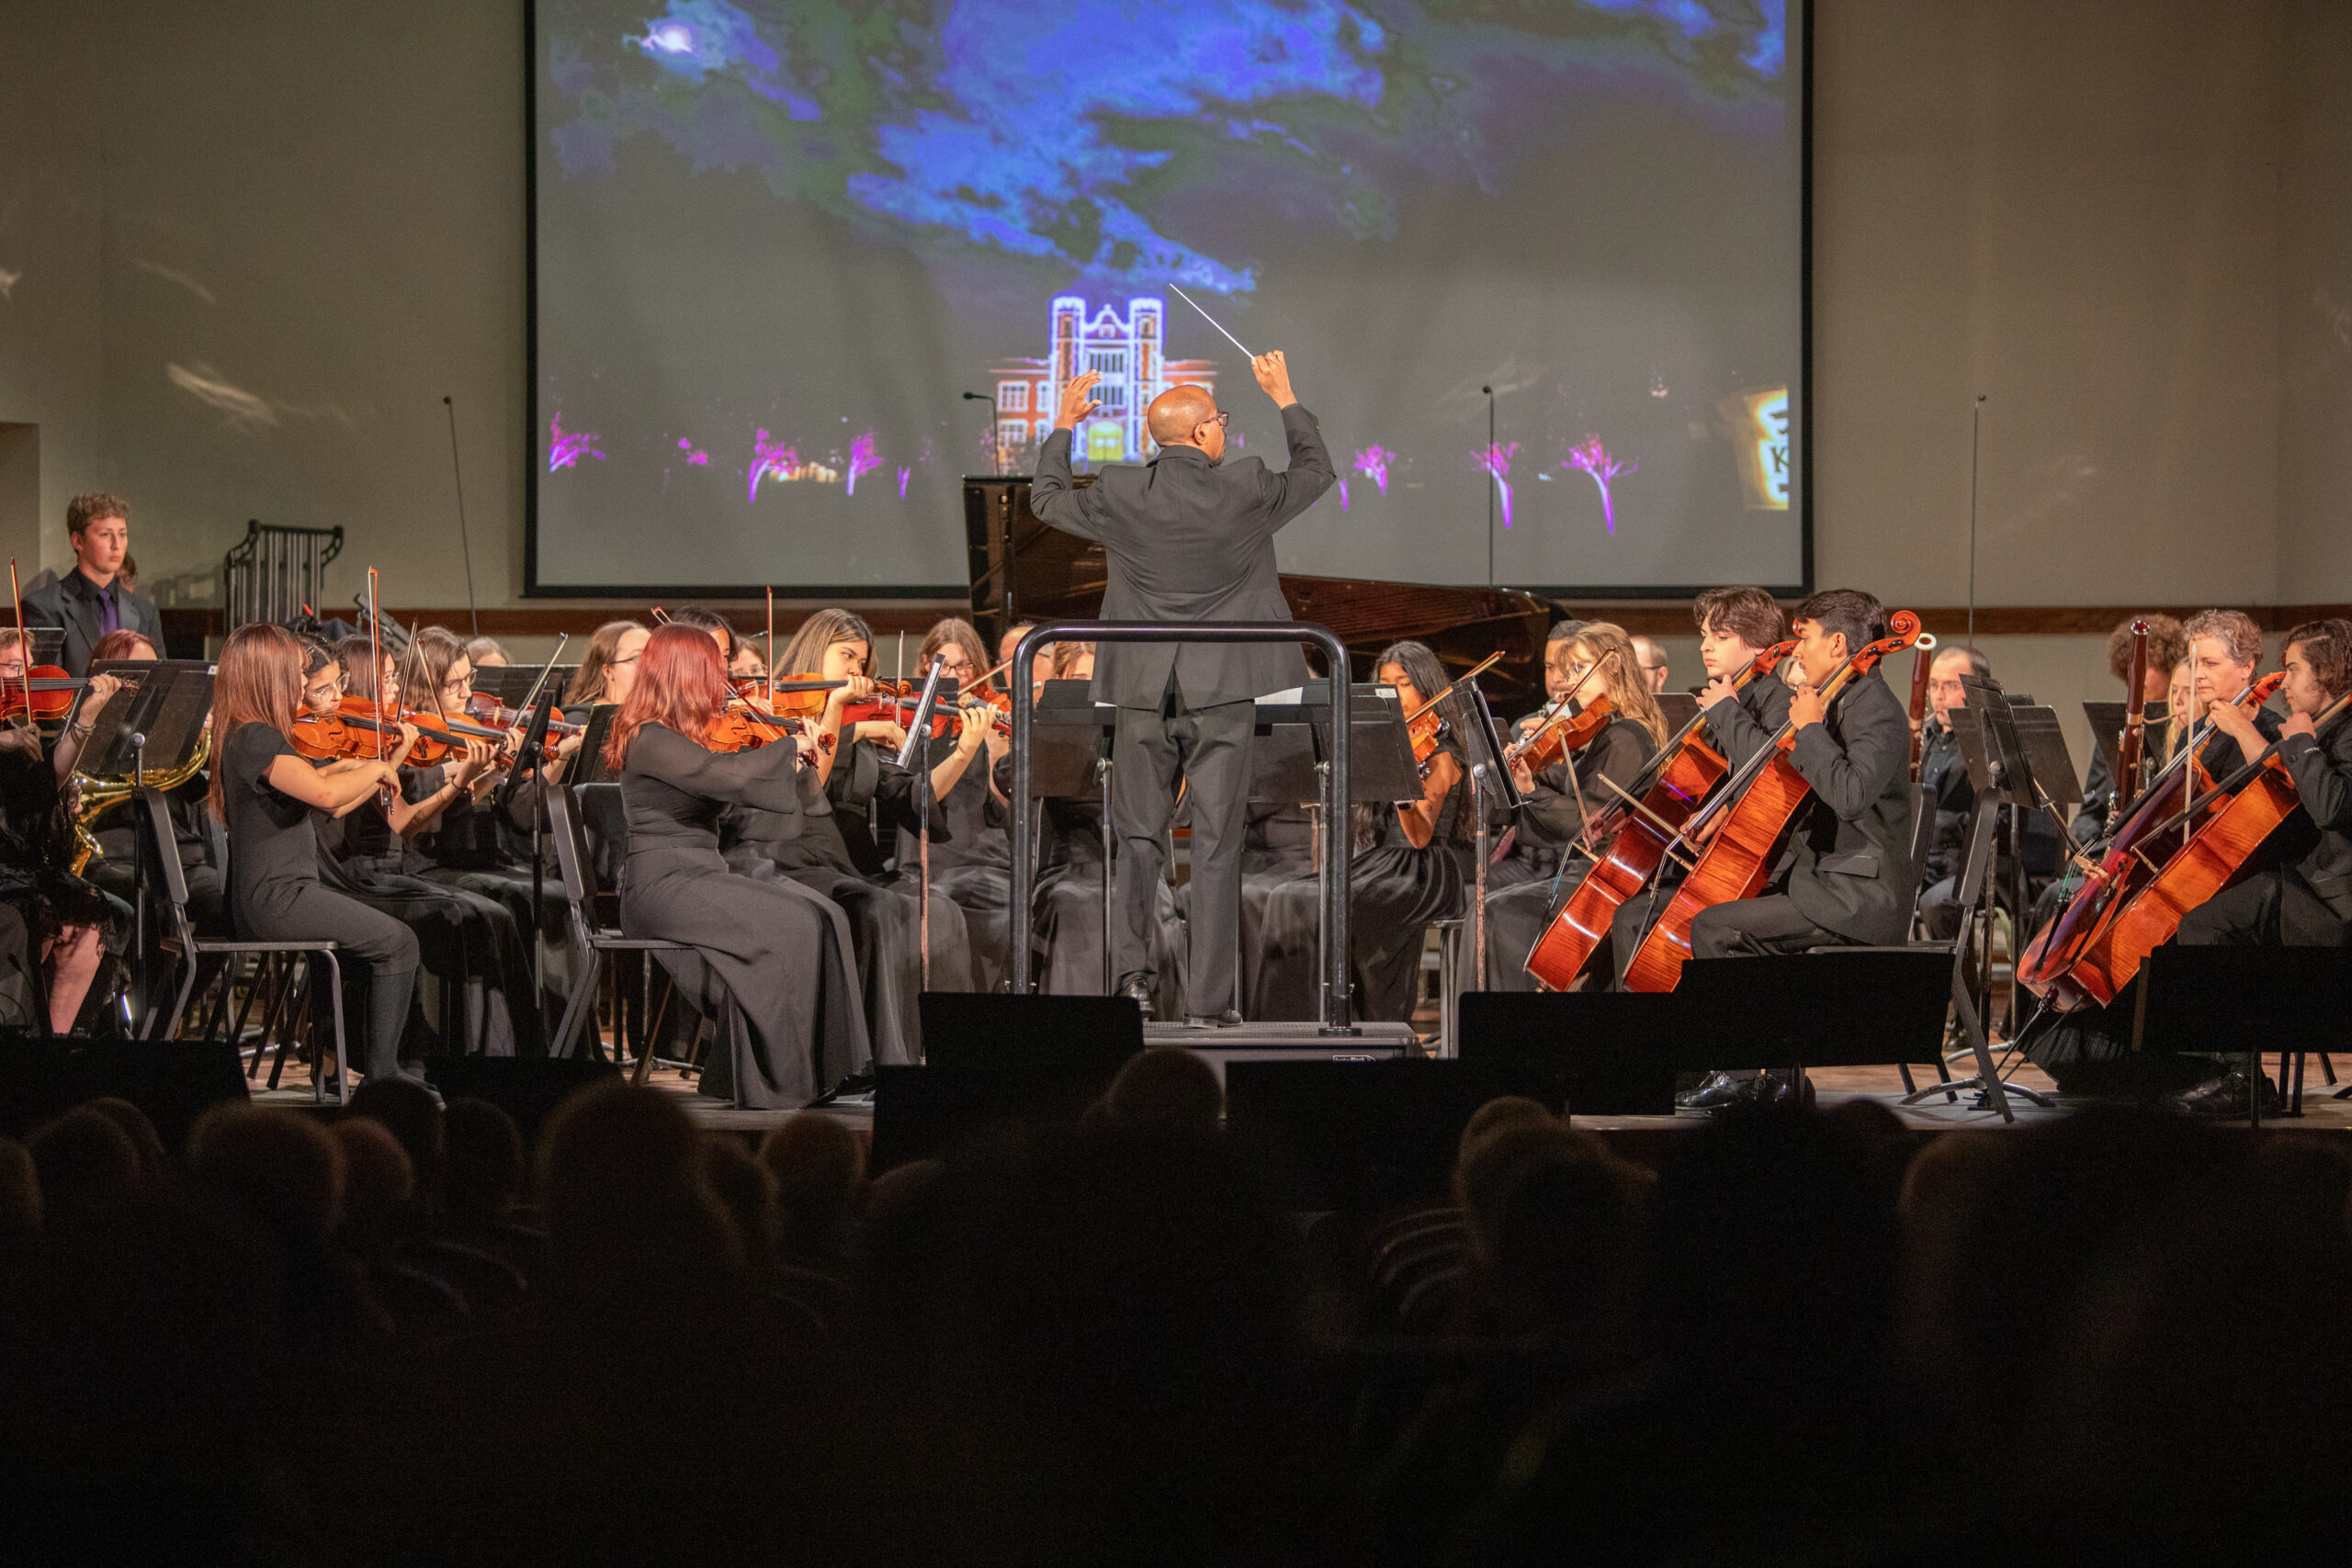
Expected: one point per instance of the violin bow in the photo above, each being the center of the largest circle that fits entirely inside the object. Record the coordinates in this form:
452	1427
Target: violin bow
769	650
1447	690
1552	716
24	645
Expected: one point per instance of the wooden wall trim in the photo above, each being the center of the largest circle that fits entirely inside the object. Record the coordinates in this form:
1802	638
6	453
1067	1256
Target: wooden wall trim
1649	618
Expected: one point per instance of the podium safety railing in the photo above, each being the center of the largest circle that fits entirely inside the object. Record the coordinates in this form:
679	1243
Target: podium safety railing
1334	1008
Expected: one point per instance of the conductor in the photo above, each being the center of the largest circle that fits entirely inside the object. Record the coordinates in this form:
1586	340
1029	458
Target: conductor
1190	538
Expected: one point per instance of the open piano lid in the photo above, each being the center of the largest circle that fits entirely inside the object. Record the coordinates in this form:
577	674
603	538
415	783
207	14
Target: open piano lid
1058	576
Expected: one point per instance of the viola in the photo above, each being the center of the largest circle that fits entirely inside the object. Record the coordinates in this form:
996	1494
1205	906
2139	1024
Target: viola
1747	834
1670	790
2074	962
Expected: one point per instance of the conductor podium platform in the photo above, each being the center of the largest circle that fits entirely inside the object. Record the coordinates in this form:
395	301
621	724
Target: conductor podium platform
1286	1042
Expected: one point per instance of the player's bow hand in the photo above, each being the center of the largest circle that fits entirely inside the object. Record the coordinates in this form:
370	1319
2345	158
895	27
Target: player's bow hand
1078	401
1274	374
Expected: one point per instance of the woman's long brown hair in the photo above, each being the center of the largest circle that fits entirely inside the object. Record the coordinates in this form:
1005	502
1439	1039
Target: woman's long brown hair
258	680
588	681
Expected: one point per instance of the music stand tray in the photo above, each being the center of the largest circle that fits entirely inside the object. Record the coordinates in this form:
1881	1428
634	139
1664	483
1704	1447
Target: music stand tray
588	766
172	699
1290	744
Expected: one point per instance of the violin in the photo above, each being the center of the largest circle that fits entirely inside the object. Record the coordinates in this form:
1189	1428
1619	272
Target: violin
1561	736
742	727
1750	820
330	737
1427	728
1636	838
52	691
2088	952
487	708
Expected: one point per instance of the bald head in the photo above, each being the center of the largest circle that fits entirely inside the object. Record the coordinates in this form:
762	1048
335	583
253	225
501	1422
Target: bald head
1177	413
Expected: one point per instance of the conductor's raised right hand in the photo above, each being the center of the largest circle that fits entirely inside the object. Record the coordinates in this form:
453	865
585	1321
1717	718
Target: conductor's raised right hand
1274	374
1076	400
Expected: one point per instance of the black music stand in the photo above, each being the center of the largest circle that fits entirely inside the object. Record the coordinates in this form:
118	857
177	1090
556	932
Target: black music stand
48	646
511	683
1608	1052
2107	730
588	762
1489	771
2247	1000
154	725
1679	708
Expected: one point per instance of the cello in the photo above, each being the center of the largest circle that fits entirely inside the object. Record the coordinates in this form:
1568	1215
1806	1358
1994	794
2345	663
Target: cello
1750	820
2129	745
2088	953
1637	835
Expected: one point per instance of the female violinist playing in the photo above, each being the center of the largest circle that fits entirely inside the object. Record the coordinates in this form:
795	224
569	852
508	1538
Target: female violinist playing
607	669
1410	866
2302	895
468	942
1599	662
762	956
265	793
971	856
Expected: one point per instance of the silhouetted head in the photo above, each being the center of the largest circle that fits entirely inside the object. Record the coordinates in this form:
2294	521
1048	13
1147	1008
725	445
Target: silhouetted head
19	1191
484	1158
1165	1089
378	1183
279	1166
1187	416
154	1164
621	1177
746	1190
411	1113
819	1171
85	1162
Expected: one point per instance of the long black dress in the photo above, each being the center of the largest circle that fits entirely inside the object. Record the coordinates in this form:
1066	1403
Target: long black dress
826	845
39	895
1394	892
1548	825
971	860
766	958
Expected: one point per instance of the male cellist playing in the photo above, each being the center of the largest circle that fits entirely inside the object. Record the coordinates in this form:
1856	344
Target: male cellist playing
1846	877
2299	902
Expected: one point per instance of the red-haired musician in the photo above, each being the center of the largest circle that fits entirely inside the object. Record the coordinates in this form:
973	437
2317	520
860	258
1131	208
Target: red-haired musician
773	952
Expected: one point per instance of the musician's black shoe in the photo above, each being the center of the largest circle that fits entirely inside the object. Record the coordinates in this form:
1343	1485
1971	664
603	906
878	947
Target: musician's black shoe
2228	1098
1228	1019
1720	1091
1137	987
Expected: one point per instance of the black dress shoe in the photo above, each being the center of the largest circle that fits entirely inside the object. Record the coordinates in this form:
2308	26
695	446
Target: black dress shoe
1719	1091
1138	989
1228	1019
2228	1098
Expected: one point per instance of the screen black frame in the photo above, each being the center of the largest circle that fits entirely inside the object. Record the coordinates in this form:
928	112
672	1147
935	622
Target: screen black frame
961	591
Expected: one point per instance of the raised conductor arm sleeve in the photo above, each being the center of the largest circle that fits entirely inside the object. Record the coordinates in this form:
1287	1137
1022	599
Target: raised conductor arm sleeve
1297	487
767	779
1052	497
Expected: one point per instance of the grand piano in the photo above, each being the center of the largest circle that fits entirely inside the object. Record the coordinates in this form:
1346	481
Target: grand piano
1023	570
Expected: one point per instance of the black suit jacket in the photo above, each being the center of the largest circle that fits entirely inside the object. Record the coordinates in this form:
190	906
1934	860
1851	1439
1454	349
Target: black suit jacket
1189	540
2323	770
1743	725
1849	862
72	602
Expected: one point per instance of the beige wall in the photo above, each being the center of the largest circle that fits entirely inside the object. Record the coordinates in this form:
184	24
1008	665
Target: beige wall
2128	222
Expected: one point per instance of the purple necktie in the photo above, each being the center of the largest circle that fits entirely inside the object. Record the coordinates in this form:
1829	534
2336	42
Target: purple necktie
107	620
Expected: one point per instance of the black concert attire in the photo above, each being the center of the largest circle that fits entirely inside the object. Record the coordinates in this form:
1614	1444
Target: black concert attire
1846	877
1277	847
971	858
1188	539
766	959
468	942
824	842
1949	793
1394	892
1737	729
275	894
88	612
38	898
2306	900
1549	825
1066	941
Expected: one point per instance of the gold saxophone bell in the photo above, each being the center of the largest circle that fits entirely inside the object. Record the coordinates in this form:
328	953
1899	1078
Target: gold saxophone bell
90	798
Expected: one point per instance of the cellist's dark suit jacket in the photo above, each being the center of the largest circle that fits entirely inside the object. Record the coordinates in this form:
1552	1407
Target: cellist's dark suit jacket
1188	540
1846	875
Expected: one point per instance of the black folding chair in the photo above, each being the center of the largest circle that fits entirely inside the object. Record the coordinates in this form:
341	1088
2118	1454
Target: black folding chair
156	815
591	938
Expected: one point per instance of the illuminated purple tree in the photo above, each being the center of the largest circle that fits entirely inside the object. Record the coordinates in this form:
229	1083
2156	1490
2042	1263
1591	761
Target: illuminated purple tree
565	449
698	459
903	474
1372	464
1594	459
862	459
1495	461
771	460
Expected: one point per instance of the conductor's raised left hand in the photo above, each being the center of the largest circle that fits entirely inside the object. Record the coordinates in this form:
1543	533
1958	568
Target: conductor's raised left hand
1076	400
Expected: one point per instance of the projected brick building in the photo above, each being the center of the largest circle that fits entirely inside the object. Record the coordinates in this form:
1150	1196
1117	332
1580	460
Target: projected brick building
1125	349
